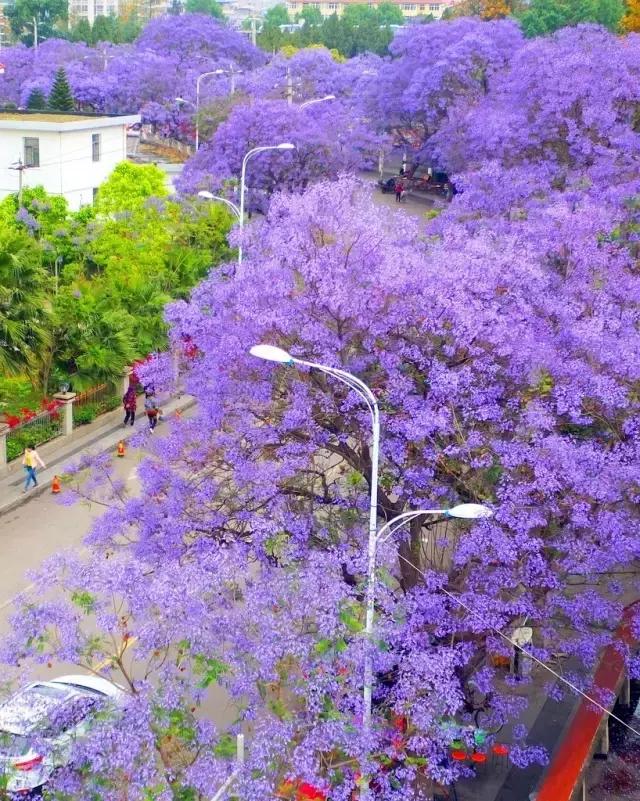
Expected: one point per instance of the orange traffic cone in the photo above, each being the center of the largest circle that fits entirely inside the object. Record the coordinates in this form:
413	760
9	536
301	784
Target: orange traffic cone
121	450
55	485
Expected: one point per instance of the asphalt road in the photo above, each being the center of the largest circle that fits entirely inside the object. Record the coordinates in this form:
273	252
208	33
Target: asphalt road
40	528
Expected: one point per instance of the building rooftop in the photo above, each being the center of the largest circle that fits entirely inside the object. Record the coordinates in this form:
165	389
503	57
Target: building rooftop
40	117
52	121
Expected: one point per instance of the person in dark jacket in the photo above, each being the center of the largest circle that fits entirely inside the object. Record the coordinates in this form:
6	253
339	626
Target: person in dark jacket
399	189
151	410
130	403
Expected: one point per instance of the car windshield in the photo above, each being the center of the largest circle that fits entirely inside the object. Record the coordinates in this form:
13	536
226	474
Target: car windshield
27	709
69	715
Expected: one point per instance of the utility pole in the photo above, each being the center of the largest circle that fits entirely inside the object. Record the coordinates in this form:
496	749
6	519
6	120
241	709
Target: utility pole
35	33
289	87
20	167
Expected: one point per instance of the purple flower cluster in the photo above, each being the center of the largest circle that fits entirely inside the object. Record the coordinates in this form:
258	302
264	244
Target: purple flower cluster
502	342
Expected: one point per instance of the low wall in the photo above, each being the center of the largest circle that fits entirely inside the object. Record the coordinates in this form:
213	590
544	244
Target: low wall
563	779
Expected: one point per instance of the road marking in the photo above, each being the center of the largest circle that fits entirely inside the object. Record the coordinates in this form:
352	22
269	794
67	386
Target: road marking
133	474
106	662
17	595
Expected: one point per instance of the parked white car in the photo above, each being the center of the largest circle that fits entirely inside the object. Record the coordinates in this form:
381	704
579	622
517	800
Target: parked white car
39	724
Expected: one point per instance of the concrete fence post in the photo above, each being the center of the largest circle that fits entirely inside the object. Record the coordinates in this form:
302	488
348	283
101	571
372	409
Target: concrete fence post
4	430
66	400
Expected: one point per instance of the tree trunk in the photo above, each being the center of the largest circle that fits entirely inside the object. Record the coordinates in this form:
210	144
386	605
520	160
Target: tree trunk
411	551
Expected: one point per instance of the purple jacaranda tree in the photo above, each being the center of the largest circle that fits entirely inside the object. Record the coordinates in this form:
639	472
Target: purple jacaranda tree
328	140
435	71
146	77
309	73
504	376
534	119
198	38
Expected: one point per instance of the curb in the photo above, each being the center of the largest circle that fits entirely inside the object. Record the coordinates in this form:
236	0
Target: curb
103	444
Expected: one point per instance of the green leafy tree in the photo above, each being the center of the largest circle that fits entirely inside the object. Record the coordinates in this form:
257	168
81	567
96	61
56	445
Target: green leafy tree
93	337
24	307
210	7
46	218
118	265
81	31
390	14
105	29
271	38
542	17
21	14
357	14
336	35
61	98
129	28
37	100
129	186
276	16
311	16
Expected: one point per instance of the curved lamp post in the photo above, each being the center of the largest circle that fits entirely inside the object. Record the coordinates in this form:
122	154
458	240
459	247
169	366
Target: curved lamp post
209	196
254	151
467	511
316	100
271	353
198	79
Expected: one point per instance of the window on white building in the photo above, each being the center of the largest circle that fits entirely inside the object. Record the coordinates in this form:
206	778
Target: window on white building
95	147
95	193
434	7
409	6
332	6
31	151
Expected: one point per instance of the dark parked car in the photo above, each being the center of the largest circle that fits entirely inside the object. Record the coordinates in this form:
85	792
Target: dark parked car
388	186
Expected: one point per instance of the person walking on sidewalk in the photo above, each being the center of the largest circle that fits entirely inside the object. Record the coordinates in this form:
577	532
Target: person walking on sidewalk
151	410
31	460
399	189
130	403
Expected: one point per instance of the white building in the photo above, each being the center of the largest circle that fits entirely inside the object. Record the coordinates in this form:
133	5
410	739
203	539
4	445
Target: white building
67	154
90	9
419	8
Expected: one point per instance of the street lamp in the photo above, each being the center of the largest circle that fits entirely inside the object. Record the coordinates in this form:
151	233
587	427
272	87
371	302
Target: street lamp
198	79
271	353
196	105
208	196
316	100
463	511
253	152
467	511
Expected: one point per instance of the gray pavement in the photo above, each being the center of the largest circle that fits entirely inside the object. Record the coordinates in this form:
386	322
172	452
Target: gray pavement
100	436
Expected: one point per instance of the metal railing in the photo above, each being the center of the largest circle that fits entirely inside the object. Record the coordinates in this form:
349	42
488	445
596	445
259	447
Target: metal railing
40	429
92	402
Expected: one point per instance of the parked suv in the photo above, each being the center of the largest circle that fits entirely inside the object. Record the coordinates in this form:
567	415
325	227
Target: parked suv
39	724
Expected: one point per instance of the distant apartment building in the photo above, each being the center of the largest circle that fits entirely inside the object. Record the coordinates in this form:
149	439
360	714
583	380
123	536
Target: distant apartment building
327	8
5	29
90	9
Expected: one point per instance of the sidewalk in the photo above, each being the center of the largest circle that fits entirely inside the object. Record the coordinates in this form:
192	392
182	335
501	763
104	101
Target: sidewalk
546	719
97	437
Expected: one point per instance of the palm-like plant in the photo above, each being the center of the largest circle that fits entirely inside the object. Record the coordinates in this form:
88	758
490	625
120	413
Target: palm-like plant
24	306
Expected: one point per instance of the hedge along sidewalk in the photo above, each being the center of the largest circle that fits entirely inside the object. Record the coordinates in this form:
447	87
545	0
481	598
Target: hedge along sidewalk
97	437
